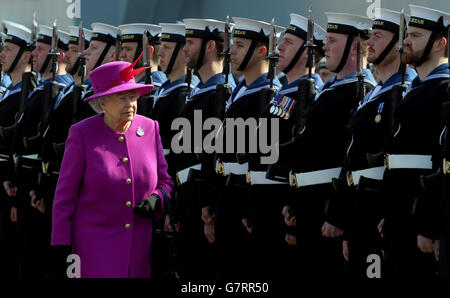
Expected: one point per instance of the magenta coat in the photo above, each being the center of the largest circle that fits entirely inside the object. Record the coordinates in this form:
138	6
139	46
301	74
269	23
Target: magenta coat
104	175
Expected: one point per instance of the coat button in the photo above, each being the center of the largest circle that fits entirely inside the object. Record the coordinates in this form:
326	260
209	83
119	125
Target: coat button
125	159
127	226
128	181
128	204
121	139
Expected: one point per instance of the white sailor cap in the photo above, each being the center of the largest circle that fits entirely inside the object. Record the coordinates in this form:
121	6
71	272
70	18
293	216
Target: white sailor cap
173	32
74	35
134	32
104	32
63	39
348	24
252	29
430	19
205	28
299	27
387	19
17	33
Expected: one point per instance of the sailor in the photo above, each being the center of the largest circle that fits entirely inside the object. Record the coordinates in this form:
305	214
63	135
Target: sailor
296	60
248	101
321	143
48	57
411	216
102	49
203	52
15	58
368	130
132	46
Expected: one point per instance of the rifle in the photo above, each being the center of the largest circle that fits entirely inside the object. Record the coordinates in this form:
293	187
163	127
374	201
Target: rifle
51	90
184	92
145	102
398	89
1	66
360	89
223	91
78	89
118	49
306	87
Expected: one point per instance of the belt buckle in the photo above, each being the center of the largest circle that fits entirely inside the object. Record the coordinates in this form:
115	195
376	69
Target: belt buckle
220	169
350	180
16	158
249	177
293	180
178	179
386	161
446	166
45	166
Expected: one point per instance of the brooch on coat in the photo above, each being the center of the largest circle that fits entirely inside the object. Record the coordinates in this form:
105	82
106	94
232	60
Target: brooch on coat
140	131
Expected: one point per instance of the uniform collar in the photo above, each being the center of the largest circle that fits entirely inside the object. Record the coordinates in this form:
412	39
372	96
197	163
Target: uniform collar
438	72
293	87
158	78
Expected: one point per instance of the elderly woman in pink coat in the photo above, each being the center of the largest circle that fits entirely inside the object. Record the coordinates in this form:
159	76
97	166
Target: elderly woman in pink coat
112	181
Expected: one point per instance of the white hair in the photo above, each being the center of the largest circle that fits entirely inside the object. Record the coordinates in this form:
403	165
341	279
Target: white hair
97	102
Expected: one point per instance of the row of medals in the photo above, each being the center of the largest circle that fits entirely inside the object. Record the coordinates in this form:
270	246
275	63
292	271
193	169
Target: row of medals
277	110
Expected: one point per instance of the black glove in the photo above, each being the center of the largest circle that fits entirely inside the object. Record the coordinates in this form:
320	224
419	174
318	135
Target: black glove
148	206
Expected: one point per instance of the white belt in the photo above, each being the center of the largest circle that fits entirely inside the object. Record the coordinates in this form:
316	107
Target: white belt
314	177
407	161
372	173
183	175
259	178
31	156
227	168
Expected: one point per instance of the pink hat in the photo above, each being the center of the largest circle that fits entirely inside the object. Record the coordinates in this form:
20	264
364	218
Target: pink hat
116	77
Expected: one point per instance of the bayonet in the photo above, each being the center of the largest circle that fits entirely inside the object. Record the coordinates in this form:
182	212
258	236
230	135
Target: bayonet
33	38
310	43
80	39
401	38
54	50
358	56
226	50
118	47
146	58
360	91
272	56
81	58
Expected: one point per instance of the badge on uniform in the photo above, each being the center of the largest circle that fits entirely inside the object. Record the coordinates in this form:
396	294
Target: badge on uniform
378	116
140	131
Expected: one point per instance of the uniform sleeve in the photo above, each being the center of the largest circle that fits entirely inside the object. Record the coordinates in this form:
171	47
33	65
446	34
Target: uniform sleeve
164	180
68	188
